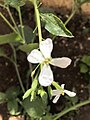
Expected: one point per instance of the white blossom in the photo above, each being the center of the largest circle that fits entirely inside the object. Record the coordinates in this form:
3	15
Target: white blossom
58	93
43	56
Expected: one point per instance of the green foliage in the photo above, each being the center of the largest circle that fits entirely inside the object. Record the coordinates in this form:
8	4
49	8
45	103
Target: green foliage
28	47
13	92
43	95
85	66
32	90
55	26
10	94
10	97
29	38
71	101
12	103
28	33
12	106
35	108
2	97
15	3
35	99
47	117
9	38
86	59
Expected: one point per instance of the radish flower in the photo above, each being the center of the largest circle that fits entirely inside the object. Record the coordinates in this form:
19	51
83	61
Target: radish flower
43	56
58	93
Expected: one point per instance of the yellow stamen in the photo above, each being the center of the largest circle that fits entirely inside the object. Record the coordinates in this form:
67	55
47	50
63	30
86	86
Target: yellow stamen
63	93
47	60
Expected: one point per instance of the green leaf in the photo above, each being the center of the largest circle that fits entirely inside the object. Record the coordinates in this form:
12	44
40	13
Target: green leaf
28	47
55	26
15	3
86	59
34	109
2	97
13	107
29	35
83	68
13	92
27	93
9	38
47	117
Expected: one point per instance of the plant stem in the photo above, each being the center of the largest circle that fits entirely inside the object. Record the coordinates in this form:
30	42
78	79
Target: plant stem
9	12
70	17
14	52
19	78
8	23
21	23
17	71
74	9
37	20
57	116
37	15
56	85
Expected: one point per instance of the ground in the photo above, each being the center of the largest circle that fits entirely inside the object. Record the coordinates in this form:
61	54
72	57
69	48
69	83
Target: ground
73	48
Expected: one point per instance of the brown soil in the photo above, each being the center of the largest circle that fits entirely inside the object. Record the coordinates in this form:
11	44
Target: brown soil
65	3
74	48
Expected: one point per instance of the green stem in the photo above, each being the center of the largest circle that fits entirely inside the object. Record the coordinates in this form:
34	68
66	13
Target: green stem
19	78
70	17
37	20
57	116
21	24
9	12
14	52
56	85
74	9
17	71
8	23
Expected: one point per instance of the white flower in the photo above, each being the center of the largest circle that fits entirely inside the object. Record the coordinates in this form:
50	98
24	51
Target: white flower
58	93
43	56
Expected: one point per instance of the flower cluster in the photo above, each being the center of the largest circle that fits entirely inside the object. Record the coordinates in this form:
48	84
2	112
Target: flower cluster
43	57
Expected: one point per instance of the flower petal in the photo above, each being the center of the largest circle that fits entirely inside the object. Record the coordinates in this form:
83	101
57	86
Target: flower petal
56	92
35	56
46	47
61	62
56	99
62	86
69	93
46	76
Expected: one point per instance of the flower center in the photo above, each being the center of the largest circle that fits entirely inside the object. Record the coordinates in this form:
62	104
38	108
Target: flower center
47	60
63	93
